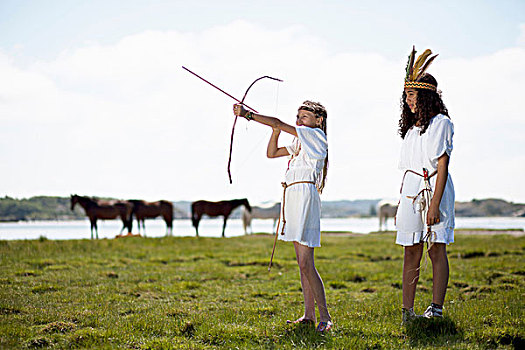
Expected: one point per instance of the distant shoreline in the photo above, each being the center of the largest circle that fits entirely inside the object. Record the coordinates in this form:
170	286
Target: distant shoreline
233	217
516	232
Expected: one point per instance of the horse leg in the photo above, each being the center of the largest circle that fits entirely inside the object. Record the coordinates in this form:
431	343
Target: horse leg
96	228
195	219
169	227
244	222
144	226
129	224
224	225
138	224
92	226
124	225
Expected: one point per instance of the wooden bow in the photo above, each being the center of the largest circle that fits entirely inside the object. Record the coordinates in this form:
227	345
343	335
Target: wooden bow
241	102
235	121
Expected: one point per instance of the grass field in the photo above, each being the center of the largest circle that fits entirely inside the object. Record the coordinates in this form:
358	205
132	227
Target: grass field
212	293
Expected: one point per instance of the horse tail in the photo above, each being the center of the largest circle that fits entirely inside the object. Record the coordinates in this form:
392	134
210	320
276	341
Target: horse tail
193	216
134	206
129	218
167	212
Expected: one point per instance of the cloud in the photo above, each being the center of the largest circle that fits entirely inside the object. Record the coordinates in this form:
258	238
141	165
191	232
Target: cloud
125	120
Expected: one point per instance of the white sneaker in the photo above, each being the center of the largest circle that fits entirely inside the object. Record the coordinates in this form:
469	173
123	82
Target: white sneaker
433	311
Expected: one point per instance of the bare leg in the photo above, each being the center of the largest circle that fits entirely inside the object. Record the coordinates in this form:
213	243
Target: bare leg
440	272
305	259
309	300
411	262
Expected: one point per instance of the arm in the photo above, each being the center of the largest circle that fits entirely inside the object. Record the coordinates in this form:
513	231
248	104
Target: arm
275	123
441	181
273	150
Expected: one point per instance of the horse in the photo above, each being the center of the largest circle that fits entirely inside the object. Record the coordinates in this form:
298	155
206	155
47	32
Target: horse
143	210
99	209
385	209
224	208
260	212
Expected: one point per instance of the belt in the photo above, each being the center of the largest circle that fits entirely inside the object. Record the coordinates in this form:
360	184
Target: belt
285	186
424	176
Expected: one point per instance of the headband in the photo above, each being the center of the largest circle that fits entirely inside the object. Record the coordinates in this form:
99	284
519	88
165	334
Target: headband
313	107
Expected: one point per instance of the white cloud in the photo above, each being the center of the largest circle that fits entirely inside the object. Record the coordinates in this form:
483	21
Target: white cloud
126	121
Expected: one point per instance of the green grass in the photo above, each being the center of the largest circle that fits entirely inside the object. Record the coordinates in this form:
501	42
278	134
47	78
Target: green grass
212	293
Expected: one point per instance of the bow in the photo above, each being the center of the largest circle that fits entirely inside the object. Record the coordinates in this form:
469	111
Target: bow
235	121
241	102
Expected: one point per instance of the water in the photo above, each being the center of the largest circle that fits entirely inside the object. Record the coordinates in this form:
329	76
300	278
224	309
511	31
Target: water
79	229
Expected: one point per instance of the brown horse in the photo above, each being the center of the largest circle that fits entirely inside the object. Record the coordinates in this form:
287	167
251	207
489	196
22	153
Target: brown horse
143	210
99	209
224	208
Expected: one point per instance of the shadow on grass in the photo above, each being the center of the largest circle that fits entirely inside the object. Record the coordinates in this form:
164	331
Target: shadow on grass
434	331
305	336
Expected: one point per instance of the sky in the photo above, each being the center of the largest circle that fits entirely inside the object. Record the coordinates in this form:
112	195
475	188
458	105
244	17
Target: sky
93	99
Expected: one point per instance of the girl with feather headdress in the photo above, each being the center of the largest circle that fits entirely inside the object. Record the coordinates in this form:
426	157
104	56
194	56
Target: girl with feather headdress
426	207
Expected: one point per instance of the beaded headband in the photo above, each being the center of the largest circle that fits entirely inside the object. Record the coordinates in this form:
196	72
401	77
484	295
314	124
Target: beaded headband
415	70
314	107
418	85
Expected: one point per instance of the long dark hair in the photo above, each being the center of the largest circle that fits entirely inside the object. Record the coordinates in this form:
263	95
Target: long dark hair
428	105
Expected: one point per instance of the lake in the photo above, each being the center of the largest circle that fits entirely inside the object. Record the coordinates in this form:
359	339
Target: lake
79	229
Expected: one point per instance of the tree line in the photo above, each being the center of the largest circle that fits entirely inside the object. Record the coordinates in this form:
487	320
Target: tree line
37	208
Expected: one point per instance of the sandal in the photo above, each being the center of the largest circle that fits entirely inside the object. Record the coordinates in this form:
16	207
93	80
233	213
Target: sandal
301	320
323	326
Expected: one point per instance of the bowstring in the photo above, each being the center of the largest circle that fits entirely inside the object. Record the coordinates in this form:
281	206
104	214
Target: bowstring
265	136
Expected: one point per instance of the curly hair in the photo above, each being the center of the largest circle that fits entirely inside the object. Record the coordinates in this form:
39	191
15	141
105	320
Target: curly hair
428	105
320	111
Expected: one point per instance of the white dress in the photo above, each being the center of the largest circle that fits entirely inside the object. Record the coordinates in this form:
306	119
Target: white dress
302	207
418	152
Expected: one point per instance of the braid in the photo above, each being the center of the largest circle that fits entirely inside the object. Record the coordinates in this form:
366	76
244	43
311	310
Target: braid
320	111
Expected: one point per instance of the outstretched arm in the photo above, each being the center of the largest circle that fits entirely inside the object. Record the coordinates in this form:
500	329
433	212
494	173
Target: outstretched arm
275	123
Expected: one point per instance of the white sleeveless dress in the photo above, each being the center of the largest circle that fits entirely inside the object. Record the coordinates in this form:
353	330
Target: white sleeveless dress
418	152
302	203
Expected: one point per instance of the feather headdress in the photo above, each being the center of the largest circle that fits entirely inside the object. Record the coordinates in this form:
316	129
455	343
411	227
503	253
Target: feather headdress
416	68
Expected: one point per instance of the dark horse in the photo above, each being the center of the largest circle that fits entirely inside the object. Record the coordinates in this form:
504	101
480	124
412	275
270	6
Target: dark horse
223	208
143	210
99	209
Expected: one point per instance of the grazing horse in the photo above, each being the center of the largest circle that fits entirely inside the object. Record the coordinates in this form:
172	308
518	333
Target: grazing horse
224	208
99	209
272	212
143	210
385	210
